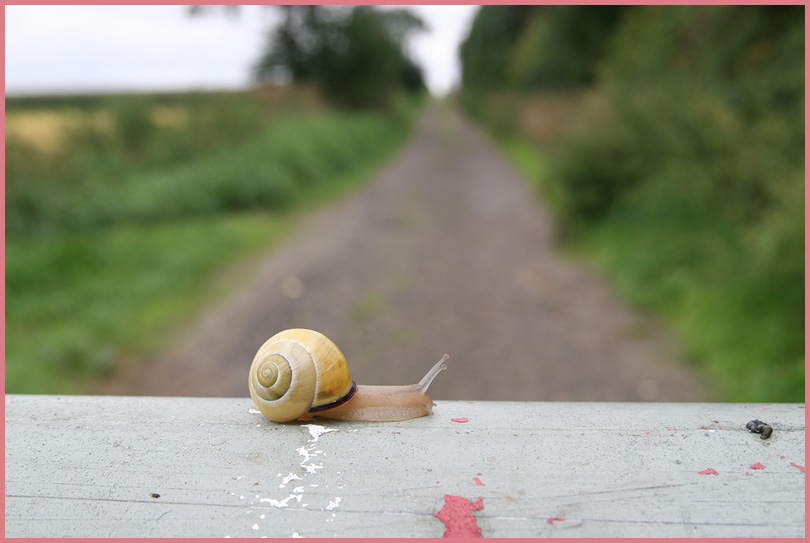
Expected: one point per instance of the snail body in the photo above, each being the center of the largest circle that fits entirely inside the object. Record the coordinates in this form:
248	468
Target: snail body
299	374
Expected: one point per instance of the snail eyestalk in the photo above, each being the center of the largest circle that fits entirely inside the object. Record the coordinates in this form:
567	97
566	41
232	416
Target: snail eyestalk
431	375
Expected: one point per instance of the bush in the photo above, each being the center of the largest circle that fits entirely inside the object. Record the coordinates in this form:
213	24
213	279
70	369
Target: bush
692	195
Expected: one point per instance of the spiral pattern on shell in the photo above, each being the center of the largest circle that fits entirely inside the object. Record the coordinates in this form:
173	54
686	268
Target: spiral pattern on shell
295	371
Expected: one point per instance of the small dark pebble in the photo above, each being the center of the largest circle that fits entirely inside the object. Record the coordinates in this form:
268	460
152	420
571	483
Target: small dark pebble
758	427
155	495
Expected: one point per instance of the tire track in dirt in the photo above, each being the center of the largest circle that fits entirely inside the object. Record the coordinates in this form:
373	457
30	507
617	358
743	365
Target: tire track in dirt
446	251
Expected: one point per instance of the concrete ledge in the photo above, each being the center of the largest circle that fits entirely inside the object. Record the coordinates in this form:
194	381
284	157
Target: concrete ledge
197	467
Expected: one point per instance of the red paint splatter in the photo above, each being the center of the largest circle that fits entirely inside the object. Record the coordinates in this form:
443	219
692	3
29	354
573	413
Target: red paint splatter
709	471
782	457
703	428
672	429
756	466
552	519
462	419
747	473
801	468
716	421
458	518
478	481
801	407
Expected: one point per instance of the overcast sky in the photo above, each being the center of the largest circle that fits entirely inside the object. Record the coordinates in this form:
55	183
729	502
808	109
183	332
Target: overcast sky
54	49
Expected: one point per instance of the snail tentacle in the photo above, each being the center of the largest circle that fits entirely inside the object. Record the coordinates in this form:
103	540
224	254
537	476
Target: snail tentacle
431	375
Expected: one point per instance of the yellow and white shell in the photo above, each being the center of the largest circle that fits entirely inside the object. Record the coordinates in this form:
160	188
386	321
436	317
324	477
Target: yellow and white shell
295	371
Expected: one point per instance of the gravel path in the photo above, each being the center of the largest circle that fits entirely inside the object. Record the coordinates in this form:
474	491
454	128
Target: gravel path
446	251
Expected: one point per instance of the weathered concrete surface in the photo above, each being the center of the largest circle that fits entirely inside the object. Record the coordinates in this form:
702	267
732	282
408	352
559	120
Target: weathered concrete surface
183	467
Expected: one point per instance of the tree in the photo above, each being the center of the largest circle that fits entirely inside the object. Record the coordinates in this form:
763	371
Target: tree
487	49
533	47
355	57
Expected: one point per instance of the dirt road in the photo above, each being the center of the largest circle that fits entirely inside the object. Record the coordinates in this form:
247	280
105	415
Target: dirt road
446	251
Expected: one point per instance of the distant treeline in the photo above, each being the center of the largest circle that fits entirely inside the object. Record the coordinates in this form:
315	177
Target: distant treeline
683	171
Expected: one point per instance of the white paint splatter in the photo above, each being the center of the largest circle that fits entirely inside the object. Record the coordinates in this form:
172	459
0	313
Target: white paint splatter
317	431
255	527
308	453
312	468
282	503
254	411
275	503
295	534
287	479
304	451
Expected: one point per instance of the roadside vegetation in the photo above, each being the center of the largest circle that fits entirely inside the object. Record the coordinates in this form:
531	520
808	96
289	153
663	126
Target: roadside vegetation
126	214
669	141
112	244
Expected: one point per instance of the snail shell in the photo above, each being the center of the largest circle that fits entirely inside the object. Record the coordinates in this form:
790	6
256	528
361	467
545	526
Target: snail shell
297	371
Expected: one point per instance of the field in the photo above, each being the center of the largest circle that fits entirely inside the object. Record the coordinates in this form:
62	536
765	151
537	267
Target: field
122	211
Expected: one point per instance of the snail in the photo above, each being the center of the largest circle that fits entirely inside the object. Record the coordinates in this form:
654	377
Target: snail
298	374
